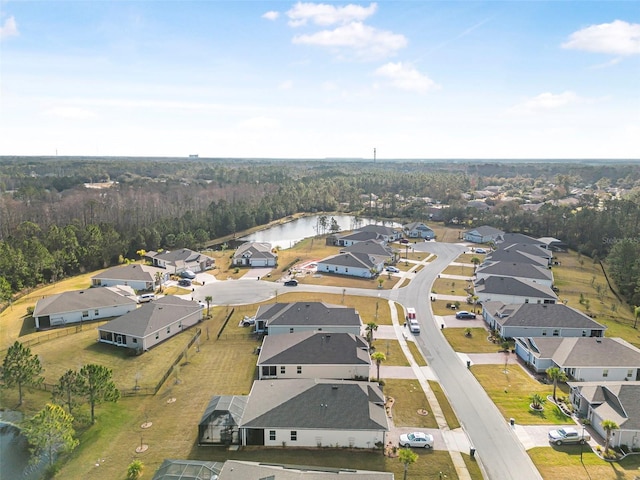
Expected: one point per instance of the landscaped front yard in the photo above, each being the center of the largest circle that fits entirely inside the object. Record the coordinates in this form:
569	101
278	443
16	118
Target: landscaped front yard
566	462
510	391
476	343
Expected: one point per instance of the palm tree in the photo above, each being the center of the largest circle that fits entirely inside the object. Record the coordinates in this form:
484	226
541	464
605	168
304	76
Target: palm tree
158	278
371	327
609	426
378	357
208	299
476	261
407	457
536	401
556	375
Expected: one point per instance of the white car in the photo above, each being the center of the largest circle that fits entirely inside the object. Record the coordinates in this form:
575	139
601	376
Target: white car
416	439
392	269
480	250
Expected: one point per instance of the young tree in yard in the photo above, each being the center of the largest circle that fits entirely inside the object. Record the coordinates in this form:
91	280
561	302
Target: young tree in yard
20	367
609	426
134	470
208	299
50	431
371	327
68	386
378	357
407	457
636	314
96	386
536	401
556	375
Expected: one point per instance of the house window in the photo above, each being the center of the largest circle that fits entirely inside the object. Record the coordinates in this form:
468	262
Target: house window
346	270
135	340
584	333
85	314
291	330
269	370
556	332
629	373
544	333
272	435
157	335
299	369
526	300
605	372
294	436
169	329
538	301
283	370
96	312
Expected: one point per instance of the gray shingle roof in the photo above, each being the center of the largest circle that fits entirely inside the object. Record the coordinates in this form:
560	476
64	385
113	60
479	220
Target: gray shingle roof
513	286
511	238
512	269
575	352
181	254
152	316
308	313
314	348
370	247
315	404
617	401
145	273
556	315
255	250
534	250
349	259
358	236
91	298
516	256
486	231
379	229
416	226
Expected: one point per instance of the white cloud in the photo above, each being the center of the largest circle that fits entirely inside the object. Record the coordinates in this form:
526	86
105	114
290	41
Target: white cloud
364	40
70	113
406	77
325	15
9	28
260	123
616	38
271	15
547	101
286	85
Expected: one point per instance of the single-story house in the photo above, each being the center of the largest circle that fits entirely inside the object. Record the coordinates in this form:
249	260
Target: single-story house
535	250
507	239
83	306
388	234
139	277
152	323
177	261
220	422
523	271
255	254
512	290
239	469
280	318
355	264
244	470
379	251
314	355
539	320
418	230
351	238
515	256
617	401
314	413
603	359
483	234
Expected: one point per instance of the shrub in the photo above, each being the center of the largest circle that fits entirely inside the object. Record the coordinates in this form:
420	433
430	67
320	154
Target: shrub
134	471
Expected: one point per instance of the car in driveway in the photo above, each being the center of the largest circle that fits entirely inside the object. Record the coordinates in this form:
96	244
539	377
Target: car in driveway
291	283
404	240
187	274
463	314
416	440
568	435
481	250
392	269
185	282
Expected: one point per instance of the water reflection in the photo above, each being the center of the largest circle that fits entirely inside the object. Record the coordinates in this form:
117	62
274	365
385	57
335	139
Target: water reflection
288	234
14	456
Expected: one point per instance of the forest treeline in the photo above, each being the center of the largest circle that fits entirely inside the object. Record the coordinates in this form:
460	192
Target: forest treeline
59	217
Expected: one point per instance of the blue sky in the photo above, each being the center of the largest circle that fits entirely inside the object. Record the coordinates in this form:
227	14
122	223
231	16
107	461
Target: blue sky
413	79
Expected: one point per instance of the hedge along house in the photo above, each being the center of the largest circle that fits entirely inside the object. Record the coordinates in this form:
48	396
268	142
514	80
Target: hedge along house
83	306
314	413
220	422
151	324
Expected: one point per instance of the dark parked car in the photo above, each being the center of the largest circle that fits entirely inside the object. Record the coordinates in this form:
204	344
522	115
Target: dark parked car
184	282
291	283
465	314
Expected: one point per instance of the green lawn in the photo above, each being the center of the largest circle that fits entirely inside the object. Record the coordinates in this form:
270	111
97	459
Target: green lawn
409	398
448	286
510	392
476	343
458	270
393	352
565	462
445	406
417	354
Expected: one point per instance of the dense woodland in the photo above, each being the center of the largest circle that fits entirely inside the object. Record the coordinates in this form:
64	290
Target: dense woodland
53	224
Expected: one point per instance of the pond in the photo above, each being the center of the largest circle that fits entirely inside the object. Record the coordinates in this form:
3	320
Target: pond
288	234
14	456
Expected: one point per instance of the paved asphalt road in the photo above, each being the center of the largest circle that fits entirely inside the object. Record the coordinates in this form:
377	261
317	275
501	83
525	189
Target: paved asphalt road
501	453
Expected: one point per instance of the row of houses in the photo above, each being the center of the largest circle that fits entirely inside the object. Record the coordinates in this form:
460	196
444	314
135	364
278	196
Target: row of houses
515	287
313	385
